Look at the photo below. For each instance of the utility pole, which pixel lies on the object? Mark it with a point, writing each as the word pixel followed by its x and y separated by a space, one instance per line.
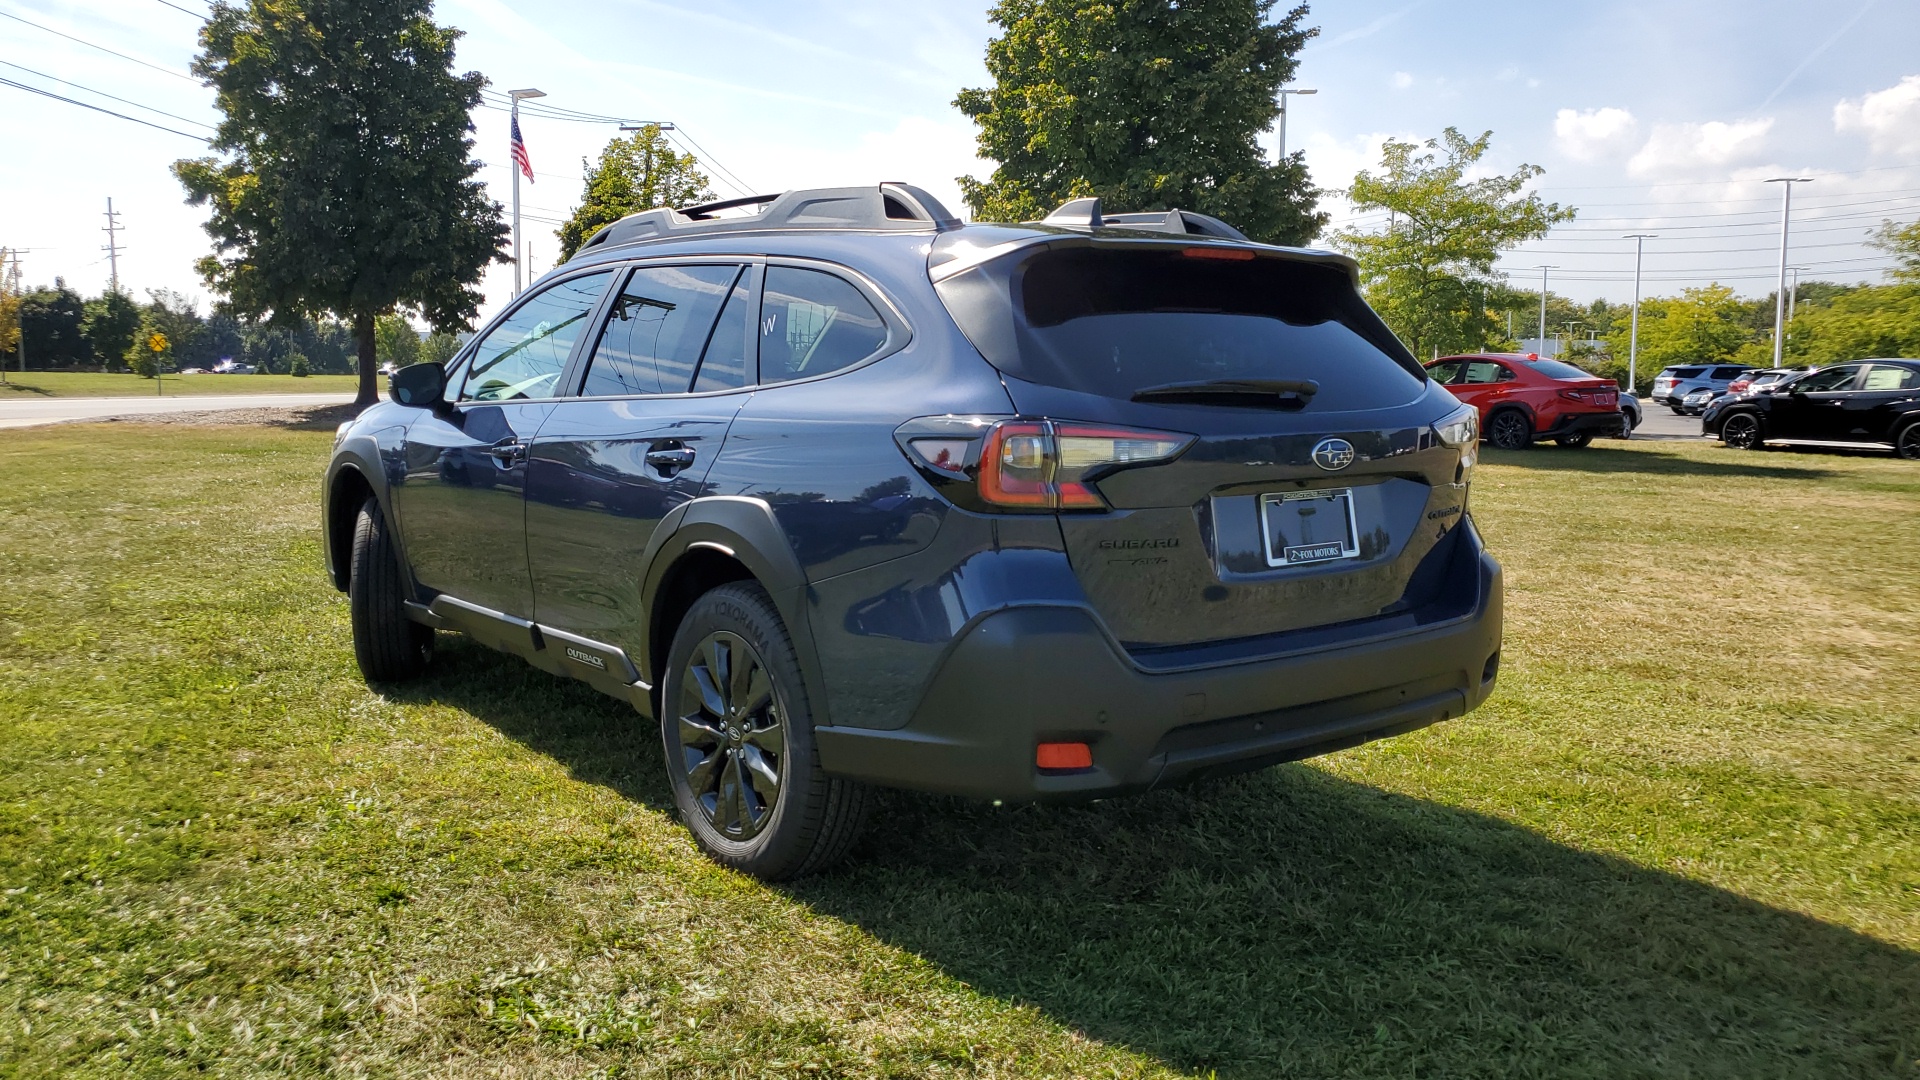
pixel 13 288
pixel 10 286
pixel 1633 334
pixel 1283 119
pixel 1780 295
pixel 519 148
pixel 113 246
pixel 1543 304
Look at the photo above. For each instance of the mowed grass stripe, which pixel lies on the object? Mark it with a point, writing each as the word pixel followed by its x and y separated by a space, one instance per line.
pixel 220 852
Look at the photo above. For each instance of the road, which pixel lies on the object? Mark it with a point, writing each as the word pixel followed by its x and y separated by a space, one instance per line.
pixel 1661 423
pixel 54 410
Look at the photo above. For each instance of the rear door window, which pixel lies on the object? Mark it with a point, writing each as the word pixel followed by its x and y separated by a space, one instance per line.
pixel 657 329
pixel 1114 321
pixel 1891 377
pixel 813 323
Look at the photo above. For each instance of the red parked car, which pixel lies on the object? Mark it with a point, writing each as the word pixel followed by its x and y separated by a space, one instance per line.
pixel 1522 398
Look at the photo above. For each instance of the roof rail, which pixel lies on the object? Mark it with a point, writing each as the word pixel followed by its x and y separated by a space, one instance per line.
pixel 888 206
pixel 1085 214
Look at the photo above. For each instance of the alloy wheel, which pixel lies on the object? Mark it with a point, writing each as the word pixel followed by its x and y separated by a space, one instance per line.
pixel 1509 431
pixel 1741 431
pixel 731 735
pixel 1908 443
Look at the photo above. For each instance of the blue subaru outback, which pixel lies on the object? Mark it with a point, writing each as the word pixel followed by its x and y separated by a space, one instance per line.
pixel 844 493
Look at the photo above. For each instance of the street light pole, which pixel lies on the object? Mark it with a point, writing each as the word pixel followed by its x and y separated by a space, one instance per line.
pixel 1283 119
pixel 1793 291
pixel 1543 304
pixel 1780 295
pixel 517 95
pixel 1633 334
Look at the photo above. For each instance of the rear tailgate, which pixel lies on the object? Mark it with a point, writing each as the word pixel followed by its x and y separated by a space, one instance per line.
pixel 1249 531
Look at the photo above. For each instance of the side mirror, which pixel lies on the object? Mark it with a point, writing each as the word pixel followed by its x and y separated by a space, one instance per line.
pixel 419 385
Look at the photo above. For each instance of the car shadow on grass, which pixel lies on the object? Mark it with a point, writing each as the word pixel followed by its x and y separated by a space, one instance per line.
pixel 1644 458
pixel 1291 923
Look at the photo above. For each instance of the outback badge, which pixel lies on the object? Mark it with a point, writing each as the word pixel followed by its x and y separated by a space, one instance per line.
pixel 1333 454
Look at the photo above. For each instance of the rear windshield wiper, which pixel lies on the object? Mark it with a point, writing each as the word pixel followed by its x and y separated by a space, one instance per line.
pixel 1286 394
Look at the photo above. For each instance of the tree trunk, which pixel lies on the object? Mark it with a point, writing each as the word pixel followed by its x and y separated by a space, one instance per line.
pixel 369 375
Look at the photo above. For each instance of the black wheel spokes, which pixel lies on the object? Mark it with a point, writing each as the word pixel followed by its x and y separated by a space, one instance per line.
pixel 732 740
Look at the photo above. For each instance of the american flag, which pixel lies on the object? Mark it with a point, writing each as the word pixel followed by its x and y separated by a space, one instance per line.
pixel 519 147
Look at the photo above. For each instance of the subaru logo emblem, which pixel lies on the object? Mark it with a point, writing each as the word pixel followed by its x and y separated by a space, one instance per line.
pixel 1333 454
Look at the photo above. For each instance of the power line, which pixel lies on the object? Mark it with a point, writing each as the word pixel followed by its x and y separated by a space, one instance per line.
pixel 109 97
pixel 102 48
pixel 183 11
pixel 98 109
pixel 738 184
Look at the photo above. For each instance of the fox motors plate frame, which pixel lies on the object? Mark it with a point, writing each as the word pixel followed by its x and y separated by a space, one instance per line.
pixel 1307 527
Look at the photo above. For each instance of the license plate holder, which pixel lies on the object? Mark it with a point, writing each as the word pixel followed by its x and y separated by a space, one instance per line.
pixel 1303 528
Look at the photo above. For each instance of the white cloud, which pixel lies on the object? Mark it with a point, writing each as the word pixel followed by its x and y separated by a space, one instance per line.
pixel 1681 148
pixel 1890 118
pixel 1402 80
pixel 1595 133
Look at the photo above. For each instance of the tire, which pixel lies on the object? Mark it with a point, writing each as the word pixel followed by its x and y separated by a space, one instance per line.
pixel 1510 429
pixel 1675 408
pixel 388 646
pixel 1575 441
pixel 731 734
pixel 1742 431
pixel 1906 441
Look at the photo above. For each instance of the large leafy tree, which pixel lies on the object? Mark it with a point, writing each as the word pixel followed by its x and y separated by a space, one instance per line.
pixel 1903 243
pixel 638 172
pixel 1429 271
pixel 1149 104
pixel 1875 320
pixel 346 185
pixel 108 323
pixel 1700 326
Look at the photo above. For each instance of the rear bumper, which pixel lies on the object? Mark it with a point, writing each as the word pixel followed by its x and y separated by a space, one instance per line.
pixel 1024 675
pixel 1612 422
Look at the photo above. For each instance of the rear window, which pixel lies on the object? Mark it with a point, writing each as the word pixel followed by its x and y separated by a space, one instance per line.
pixel 1727 372
pixel 1554 369
pixel 1113 322
pixel 1684 372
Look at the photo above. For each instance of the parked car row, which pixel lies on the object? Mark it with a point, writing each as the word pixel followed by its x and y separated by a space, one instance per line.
pixel 1696 401
pixel 1870 403
pixel 1523 399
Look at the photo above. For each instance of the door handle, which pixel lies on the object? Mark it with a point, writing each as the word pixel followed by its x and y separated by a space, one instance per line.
pixel 507 452
pixel 670 460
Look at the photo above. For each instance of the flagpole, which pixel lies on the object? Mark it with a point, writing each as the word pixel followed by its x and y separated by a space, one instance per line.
pixel 516 95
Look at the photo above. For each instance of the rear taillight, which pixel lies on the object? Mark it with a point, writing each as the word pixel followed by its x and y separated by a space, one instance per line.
pixel 1030 464
pixel 1739 386
pixel 1051 465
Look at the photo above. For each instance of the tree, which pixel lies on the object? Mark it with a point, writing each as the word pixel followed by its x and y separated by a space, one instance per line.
pixel 1707 325
pixel 635 173
pixel 50 327
pixel 10 303
pixel 1429 272
pixel 438 348
pixel 396 342
pixel 1903 243
pixel 108 323
pixel 347 184
pixel 1877 320
pixel 1149 104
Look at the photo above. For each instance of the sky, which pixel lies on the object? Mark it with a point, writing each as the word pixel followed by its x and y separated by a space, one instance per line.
pixel 1663 117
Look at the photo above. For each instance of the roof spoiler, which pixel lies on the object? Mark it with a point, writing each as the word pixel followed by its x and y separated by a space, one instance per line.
pixel 889 206
pixel 1086 214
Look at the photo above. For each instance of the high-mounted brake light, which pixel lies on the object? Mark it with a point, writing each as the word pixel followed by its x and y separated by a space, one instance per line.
pixel 1051 465
pixel 1231 254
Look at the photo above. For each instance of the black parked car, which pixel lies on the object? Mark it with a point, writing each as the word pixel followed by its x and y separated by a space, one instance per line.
pixel 847 493
pixel 1872 403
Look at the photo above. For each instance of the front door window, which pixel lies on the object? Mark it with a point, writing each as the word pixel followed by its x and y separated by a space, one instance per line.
pixel 523 356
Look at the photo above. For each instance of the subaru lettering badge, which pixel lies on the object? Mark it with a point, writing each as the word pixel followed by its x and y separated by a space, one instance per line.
pixel 1333 454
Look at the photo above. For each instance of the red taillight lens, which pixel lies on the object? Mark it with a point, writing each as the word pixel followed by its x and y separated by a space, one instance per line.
pixel 1051 465
pixel 1738 386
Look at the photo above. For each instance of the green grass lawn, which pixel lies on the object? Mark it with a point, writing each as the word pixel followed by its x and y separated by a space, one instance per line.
pixel 1683 839
pixel 21 386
